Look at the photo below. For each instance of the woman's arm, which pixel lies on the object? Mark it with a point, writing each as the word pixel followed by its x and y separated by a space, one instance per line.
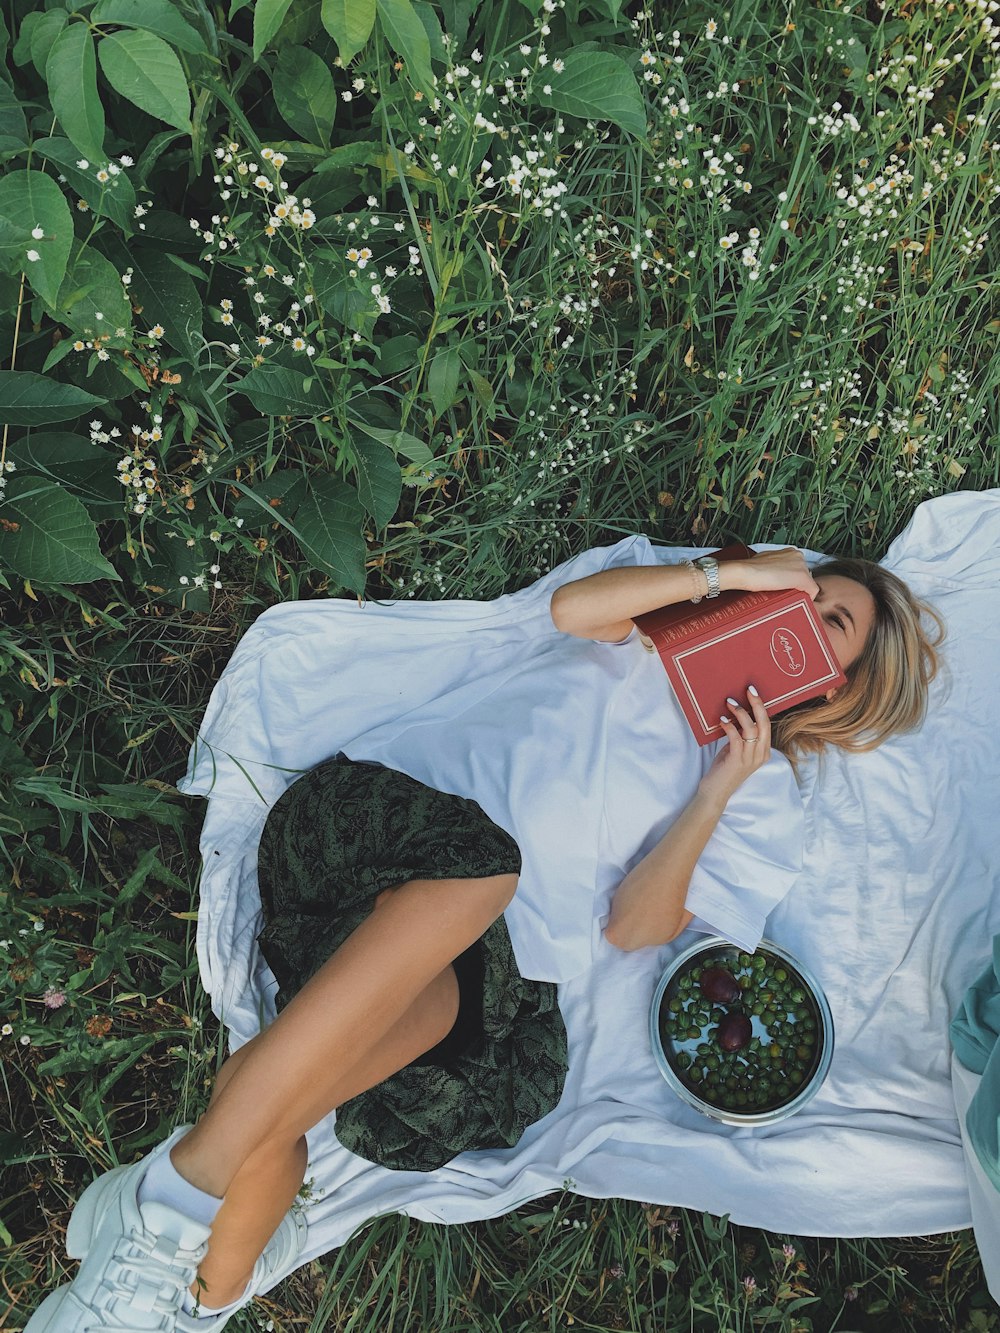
pixel 648 907
pixel 601 606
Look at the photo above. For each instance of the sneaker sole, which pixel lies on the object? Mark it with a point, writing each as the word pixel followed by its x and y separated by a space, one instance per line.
pixel 46 1317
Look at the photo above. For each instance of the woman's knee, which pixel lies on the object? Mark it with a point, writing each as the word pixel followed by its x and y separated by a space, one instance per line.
pixel 487 898
pixel 502 890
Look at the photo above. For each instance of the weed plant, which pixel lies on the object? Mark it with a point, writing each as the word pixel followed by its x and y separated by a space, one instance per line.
pixel 418 300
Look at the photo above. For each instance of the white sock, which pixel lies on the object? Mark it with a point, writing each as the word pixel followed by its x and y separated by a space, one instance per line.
pixel 163 1183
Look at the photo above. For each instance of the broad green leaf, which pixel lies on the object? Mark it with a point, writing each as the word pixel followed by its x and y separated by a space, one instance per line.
pixel 339 295
pixel 13 247
pixel 13 126
pixel 483 390
pixel 281 492
pixel 21 53
pixel 48 536
pixel 114 198
pixel 457 15
pixel 299 26
pixel 443 378
pixel 380 481
pixel 166 295
pixel 86 469
pixel 432 26
pixel 277 391
pixel 349 23
pixel 358 153
pixel 29 399
pixel 329 522
pixel 407 35
pixel 158 16
pixel 398 356
pixel 91 299
pixel 71 76
pixel 595 85
pixel 398 441
pixel 31 199
pixel 144 69
pixel 43 34
pixel 305 94
pixel 267 17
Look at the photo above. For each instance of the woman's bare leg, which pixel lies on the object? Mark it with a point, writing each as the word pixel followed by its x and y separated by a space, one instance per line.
pixel 264 1188
pixel 338 1031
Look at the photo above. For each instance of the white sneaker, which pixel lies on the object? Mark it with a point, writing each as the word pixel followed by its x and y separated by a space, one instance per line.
pixel 280 1252
pixel 136 1263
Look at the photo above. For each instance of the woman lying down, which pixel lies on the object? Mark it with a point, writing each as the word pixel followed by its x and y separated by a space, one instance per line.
pixel 401 919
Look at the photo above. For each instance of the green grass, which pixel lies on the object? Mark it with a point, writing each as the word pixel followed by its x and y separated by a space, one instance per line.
pixel 565 372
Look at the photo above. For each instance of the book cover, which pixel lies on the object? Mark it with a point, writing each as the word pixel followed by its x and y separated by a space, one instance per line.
pixel 714 649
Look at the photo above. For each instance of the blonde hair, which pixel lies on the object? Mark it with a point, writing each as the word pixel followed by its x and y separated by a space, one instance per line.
pixel 887 685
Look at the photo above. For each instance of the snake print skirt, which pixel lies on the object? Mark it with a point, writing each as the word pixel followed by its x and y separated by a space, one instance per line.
pixel 332 842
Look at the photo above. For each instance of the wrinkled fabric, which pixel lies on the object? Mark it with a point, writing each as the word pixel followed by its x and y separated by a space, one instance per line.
pixel 894 908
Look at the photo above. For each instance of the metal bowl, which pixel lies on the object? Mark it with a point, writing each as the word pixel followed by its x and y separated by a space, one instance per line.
pixel 666 1050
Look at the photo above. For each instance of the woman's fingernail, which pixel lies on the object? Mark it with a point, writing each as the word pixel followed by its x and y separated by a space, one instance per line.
pixel 732 703
pixel 723 718
pixel 752 690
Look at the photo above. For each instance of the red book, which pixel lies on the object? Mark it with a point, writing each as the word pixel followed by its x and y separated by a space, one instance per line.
pixel 714 649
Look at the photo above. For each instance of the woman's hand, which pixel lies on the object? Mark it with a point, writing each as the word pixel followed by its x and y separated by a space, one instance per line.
pixel 749 748
pixel 769 571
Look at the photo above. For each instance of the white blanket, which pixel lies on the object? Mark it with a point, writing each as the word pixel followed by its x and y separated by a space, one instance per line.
pixel 894 910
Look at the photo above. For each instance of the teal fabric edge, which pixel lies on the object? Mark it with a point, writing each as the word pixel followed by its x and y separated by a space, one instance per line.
pixel 974 1033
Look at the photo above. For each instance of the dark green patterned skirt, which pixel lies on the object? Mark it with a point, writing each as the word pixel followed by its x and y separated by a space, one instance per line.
pixel 332 842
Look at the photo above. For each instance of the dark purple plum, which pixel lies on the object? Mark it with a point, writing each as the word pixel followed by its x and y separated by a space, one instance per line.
pixel 734 1032
pixel 720 986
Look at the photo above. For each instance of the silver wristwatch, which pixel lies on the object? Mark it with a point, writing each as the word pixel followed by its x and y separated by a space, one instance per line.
pixel 711 568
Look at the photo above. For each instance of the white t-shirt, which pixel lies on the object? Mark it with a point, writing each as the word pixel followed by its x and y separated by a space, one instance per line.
pixel 577 749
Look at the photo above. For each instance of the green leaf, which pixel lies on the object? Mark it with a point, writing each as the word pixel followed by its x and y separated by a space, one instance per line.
pixel 30 199
pixel 43 34
pixel 85 469
pixel 305 94
pixel 92 287
pixel 349 23
pixel 167 296
pixel 114 199
pixel 28 399
pixel 329 521
pixel 398 356
pixel 407 35
pixel 48 536
pixel 359 153
pixel 282 490
pixel 595 85
pixel 432 26
pixel 483 390
pixel 21 53
pixel 13 126
pixel 144 70
pixel 443 379
pixel 267 17
pixel 380 481
pixel 299 26
pixel 71 76
pixel 398 441
pixel 158 16
pixel 277 391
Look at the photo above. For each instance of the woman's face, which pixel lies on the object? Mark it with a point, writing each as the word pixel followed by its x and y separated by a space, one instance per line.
pixel 847 609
